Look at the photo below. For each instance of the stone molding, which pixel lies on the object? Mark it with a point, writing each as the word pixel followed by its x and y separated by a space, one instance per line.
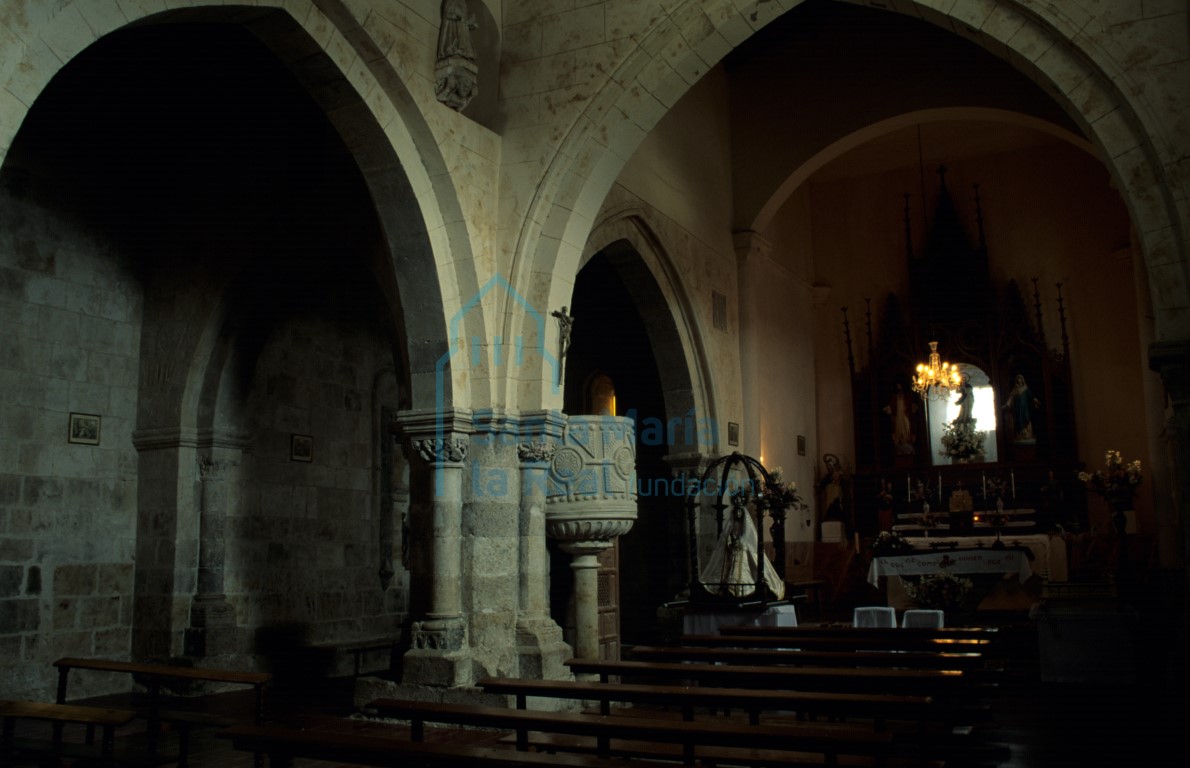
pixel 439 635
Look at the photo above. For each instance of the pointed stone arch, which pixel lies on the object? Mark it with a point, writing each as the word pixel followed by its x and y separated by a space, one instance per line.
pixel 1051 44
pixel 675 334
pixel 351 77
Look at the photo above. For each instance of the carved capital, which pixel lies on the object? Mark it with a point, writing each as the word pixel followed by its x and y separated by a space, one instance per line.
pixel 442 451
pixel 539 452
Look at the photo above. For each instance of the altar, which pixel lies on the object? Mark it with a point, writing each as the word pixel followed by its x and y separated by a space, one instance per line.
pixel 1007 561
pixel 1009 568
pixel 1049 552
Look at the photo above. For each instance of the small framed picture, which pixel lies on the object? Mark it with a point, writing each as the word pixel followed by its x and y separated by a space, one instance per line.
pixel 301 448
pixel 733 433
pixel 84 429
pixel 801 445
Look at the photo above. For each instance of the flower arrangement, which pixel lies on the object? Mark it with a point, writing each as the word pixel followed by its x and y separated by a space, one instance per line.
pixel 942 590
pixel 1117 481
pixel 960 441
pixel 889 543
pixel 776 494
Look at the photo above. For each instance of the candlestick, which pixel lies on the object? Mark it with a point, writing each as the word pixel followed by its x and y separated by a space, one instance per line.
pixel 908 489
pixel 939 487
pixel 1012 476
pixel 984 479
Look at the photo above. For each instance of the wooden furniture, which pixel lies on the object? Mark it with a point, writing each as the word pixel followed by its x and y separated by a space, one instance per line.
pixel 800 658
pixel 930 682
pixel 828 740
pixel 853 642
pixel 158 708
pixel 60 714
pixel 895 634
pixel 879 708
pixel 283 745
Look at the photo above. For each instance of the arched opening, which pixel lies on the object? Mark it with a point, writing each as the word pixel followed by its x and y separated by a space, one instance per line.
pixel 225 291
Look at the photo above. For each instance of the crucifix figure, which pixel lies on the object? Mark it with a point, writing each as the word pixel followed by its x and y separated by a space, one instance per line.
pixel 565 322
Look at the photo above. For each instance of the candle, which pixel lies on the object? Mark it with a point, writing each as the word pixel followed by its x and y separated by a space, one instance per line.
pixel 1012 477
pixel 908 489
pixel 857 543
pixel 984 479
pixel 939 487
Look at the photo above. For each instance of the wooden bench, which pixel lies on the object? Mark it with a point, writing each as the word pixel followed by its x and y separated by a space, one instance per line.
pixel 59 715
pixel 157 709
pixel 879 708
pixel 856 642
pixel 828 741
pixel 929 682
pixel 283 745
pixel 810 632
pixel 790 657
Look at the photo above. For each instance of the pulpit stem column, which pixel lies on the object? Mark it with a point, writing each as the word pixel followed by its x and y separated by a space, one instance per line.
pixel 591 500
pixel 586 595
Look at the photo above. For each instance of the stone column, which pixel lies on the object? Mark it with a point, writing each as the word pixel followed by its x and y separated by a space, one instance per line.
pixel 591 500
pixel 213 630
pixel 166 539
pixel 439 653
pixel 1172 361
pixel 541 650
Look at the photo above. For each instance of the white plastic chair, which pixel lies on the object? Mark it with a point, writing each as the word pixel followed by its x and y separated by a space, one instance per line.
pixel 920 617
pixel 874 616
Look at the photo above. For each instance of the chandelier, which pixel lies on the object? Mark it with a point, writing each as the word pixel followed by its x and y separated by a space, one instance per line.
pixel 934 380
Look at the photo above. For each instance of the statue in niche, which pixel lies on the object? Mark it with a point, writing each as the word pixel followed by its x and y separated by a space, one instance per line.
pixel 965 402
pixel 831 486
pixel 902 408
pixel 1022 404
pixel 456 72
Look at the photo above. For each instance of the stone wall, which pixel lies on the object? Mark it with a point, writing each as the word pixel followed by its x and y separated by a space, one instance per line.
pixel 70 313
pixel 304 536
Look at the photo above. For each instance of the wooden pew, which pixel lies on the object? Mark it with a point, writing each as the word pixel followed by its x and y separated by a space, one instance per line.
pixel 158 708
pixel 790 657
pixel 60 714
pixel 928 682
pixel 855 642
pixel 633 734
pixel 948 633
pixel 878 708
pixel 283 745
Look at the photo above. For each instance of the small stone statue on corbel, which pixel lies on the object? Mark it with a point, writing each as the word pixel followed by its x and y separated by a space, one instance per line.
pixel 456 73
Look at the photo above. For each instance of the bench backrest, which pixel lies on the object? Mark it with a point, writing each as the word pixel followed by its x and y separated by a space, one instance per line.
pixel 797 657
pixel 873 680
pixel 166 670
pixel 798 736
pixel 821 702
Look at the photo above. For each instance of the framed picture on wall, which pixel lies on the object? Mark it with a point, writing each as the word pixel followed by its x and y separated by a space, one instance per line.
pixel 301 448
pixel 83 429
pixel 733 433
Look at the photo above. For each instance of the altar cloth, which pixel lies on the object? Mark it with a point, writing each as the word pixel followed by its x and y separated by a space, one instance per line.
pixel 955 561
